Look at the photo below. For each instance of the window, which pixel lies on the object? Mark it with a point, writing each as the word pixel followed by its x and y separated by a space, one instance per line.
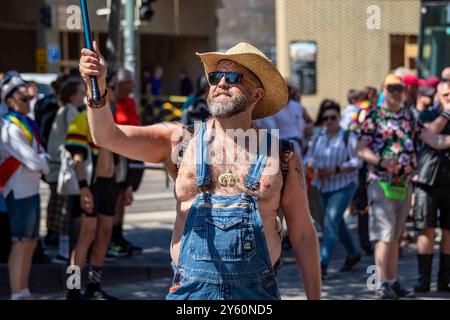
pixel 303 66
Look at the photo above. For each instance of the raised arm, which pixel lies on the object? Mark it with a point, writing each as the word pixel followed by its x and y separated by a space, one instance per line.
pixel 301 231
pixel 150 144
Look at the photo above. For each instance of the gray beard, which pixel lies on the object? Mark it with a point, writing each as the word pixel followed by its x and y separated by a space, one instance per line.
pixel 229 109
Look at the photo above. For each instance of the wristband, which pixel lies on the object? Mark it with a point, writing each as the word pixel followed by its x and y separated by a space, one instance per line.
pixel 97 105
pixel 82 184
pixel 445 114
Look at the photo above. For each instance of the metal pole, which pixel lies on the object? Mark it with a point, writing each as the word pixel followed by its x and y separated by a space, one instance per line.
pixel 130 42
pixel 113 42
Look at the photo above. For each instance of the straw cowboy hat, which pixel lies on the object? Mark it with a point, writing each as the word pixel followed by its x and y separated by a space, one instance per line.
pixel 276 93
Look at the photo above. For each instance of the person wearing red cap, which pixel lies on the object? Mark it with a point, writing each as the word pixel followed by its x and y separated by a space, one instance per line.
pixel 411 84
pixel 432 82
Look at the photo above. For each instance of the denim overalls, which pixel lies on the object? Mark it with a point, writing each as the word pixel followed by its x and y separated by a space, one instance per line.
pixel 223 254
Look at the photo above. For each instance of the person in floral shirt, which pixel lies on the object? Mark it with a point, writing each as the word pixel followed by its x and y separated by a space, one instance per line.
pixel 387 137
pixel 392 136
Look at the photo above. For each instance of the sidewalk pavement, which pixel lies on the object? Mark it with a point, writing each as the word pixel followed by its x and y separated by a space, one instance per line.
pixel 149 222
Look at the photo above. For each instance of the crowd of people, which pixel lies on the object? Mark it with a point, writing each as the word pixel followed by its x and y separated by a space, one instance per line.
pixel 89 186
pixel 385 157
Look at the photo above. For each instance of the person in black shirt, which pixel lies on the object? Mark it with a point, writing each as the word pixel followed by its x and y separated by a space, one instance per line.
pixel 432 201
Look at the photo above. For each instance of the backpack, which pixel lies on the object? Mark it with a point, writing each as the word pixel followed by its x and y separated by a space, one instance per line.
pixel 197 112
pixel 44 114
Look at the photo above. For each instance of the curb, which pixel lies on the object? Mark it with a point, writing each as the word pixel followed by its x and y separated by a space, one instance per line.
pixel 51 278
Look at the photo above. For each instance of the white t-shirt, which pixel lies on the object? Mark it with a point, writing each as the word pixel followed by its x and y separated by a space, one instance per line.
pixel 290 121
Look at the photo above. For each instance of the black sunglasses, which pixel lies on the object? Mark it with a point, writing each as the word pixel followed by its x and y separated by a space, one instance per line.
pixel 25 98
pixel 395 88
pixel 332 118
pixel 231 78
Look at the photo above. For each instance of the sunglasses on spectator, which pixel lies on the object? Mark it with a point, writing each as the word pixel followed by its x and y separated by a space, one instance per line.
pixel 395 88
pixel 231 77
pixel 332 118
pixel 25 98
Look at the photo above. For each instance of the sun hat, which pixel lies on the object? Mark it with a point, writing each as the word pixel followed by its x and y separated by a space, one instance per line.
pixel 248 56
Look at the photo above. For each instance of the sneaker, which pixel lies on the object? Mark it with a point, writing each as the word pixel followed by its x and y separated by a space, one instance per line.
pixel 99 295
pixel 350 262
pixel 323 273
pixel 75 294
pixel 129 246
pixel 51 239
pixel 118 251
pixel 59 259
pixel 386 292
pixel 286 243
pixel 401 292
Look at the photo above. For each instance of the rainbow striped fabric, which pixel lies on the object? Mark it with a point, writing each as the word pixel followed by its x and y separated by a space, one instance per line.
pixel 79 135
pixel 28 126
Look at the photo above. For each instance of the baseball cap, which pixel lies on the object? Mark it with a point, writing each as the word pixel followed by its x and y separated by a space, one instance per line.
pixel 392 79
pixel 410 80
pixel 432 81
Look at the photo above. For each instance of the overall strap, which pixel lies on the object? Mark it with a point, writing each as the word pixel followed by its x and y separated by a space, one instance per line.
pixel 258 165
pixel 201 156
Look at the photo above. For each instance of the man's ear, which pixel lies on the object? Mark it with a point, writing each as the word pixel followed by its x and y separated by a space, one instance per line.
pixel 258 94
pixel 9 102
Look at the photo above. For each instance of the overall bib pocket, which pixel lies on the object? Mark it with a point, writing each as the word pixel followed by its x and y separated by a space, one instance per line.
pixel 222 238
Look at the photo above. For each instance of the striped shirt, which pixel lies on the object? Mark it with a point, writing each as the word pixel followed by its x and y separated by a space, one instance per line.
pixel 325 153
pixel 79 135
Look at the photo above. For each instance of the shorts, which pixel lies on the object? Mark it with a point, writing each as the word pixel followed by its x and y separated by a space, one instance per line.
pixel 24 217
pixel 432 207
pixel 2 204
pixel 387 218
pixel 105 192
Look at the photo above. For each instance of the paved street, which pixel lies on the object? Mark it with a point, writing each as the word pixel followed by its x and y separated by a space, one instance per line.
pixel 149 224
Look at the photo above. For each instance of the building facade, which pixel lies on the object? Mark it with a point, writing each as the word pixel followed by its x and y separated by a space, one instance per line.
pixel 330 46
pixel 251 21
pixel 178 29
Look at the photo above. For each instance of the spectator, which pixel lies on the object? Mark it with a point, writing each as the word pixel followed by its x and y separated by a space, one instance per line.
pixel 33 92
pixel 186 86
pixel 5 236
pixel 387 139
pixel 290 121
pixel 93 208
pixel 72 93
pixel 432 82
pixel 126 110
pixel 366 99
pixel 333 157
pixel 445 75
pixel 432 205
pixel 350 113
pixel 425 100
pixel 21 141
pixel 198 109
pixel 411 84
pixel 126 114
pixel 147 81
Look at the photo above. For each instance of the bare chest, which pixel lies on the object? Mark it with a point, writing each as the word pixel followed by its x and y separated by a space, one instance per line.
pixel 223 165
